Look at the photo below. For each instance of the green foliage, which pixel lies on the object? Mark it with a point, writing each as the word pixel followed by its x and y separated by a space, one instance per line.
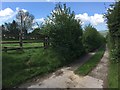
pixel 92 39
pixel 103 33
pixel 20 66
pixel 113 18
pixel 113 39
pixel 113 68
pixel 65 32
pixel 113 21
pixel 24 22
pixel 36 31
pixel 113 75
pixel 91 63
pixel 10 30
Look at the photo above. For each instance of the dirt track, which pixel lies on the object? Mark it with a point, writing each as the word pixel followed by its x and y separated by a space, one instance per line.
pixel 65 77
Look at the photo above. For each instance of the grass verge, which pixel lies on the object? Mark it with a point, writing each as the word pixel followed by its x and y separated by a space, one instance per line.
pixel 20 66
pixel 113 75
pixel 91 63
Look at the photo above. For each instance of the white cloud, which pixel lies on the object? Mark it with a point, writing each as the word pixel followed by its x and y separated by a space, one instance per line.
pixel 24 10
pixel 83 17
pixel 5 18
pixel 8 14
pixel 17 8
pixel 94 20
pixel 48 0
pixel 97 19
pixel 40 20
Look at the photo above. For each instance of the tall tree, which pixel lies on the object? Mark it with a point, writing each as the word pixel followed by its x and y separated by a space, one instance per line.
pixel 65 32
pixel 92 39
pixel 25 21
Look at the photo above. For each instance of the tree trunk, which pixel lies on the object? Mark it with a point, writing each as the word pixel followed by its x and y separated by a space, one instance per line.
pixel 21 34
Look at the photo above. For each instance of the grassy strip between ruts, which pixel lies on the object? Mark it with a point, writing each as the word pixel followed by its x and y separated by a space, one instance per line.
pixel 91 63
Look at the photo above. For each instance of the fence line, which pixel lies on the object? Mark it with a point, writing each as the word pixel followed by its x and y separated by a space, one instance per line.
pixel 18 48
pixel 23 42
pixel 45 45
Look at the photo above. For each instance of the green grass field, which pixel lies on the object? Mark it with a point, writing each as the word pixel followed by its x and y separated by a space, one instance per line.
pixel 19 66
pixel 18 40
pixel 24 45
pixel 91 63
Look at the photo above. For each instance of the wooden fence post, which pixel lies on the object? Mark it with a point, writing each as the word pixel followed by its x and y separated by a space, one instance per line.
pixel 5 49
pixel 45 42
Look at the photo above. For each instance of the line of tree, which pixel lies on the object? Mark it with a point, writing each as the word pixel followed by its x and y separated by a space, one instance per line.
pixel 10 30
pixel 66 34
pixel 92 39
pixel 22 25
pixel 63 31
pixel 113 37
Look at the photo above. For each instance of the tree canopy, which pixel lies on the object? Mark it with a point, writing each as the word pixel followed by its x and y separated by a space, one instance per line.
pixel 65 32
pixel 92 39
pixel 10 30
pixel 24 20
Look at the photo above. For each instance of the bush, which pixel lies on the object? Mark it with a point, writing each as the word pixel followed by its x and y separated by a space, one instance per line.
pixel 113 21
pixel 65 33
pixel 92 39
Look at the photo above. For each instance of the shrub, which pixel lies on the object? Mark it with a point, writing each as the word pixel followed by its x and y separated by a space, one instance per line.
pixel 92 39
pixel 65 32
pixel 113 21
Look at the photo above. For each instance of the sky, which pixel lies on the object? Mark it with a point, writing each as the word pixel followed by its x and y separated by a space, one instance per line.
pixel 87 12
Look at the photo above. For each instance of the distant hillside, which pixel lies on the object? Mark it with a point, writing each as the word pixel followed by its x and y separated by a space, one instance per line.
pixel 104 33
